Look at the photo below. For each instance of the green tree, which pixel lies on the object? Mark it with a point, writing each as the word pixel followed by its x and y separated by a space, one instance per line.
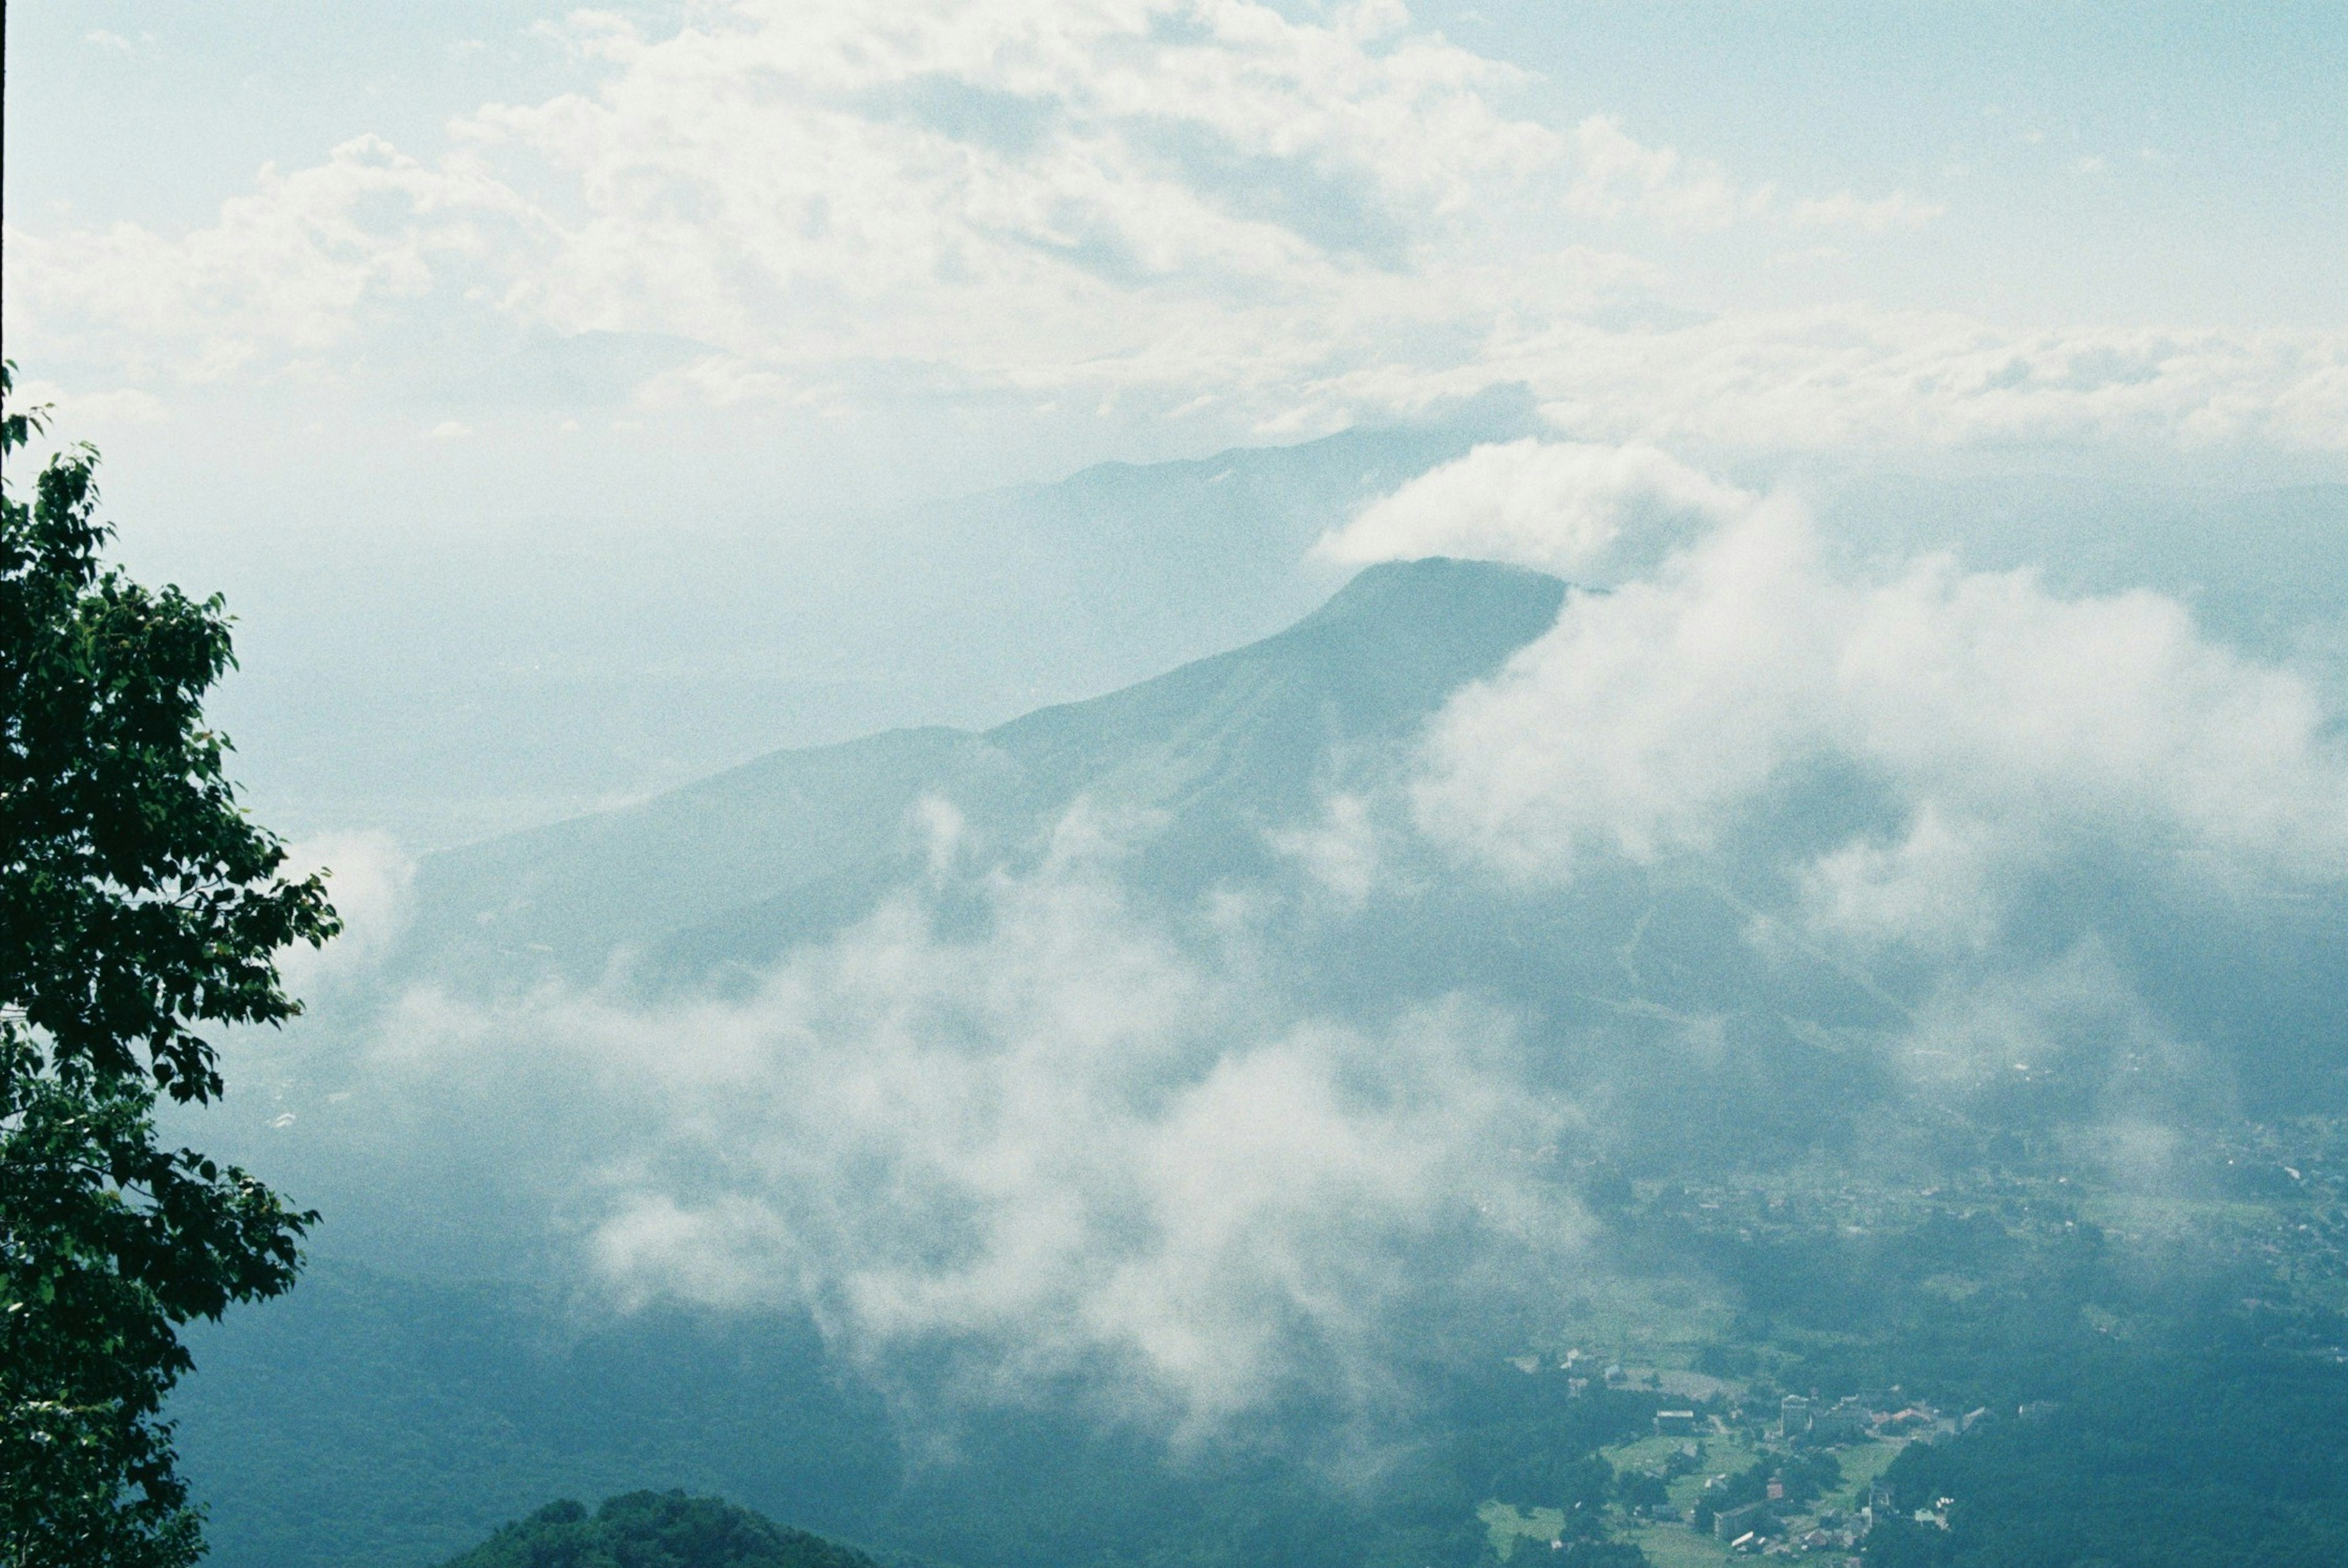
pixel 138 905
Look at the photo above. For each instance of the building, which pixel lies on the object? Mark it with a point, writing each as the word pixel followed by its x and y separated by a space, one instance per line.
pixel 1749 1520
pixel 1917 1419
pixel 1674 1423
pixel 1794 1415
pixel 1847 1421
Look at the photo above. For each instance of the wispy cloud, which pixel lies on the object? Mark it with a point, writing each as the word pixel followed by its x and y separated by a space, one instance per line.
pixel 1844 210
pixel 1073 1139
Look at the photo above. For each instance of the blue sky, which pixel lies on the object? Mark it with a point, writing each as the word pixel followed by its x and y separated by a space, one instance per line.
pixel 2220 135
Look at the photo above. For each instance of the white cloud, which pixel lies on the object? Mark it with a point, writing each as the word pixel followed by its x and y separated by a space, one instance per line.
pixel 1562 506
pixel 291 268
pixel 1339 851
pixel 368 881
pixel 1270 223
pixel 1069 1137
pixel 1935 886
pixel 1617 177
pixel 2072 1015
pixel 1845 210
pixel 1925 778
pixel 2006 722
pixel 1643 716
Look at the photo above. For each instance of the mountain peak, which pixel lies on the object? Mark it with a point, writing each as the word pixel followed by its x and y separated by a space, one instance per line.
pixel 798 841
pixel 1444 589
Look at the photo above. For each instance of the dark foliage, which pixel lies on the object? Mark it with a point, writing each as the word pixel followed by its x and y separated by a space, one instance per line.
pixel 136 902
pixel 655 1530
pixel 2191 1452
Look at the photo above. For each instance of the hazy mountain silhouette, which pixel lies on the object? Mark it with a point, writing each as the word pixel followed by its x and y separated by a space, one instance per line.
pixel 802 841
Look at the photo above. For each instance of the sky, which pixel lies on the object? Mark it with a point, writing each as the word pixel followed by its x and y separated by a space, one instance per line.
pixel 491 254
pixel 372 305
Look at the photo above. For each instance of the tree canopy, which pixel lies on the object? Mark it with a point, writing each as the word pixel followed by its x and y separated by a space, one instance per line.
pixel 655 1530
pixel 139 904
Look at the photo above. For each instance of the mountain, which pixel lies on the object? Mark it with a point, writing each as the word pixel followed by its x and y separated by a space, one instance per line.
pixel 466 676
pixel 802 841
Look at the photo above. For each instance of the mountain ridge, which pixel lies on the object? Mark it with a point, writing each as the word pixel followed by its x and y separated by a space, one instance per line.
pixel 1220 746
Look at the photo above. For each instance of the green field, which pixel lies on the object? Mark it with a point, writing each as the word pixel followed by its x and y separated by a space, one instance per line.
pixel 1508 1527
pixel 1722 1456
pixel 1676 1546
pixel 1861 1464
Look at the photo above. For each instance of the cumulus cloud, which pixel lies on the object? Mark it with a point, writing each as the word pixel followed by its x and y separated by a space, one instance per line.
pixel 1561 506
pixel 1998 715
pixel 1991 806
pixel 1616 176
pixel 290 270
pixel 1023 195
pixel 1933 885
pixel 1269 222
pixel 1063 1135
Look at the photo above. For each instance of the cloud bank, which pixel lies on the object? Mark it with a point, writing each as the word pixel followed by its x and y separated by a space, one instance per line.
pixel 1572 508
pixel 1258 222
pixel 2006 810
pixel 1022 1123
pixel 2006 721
